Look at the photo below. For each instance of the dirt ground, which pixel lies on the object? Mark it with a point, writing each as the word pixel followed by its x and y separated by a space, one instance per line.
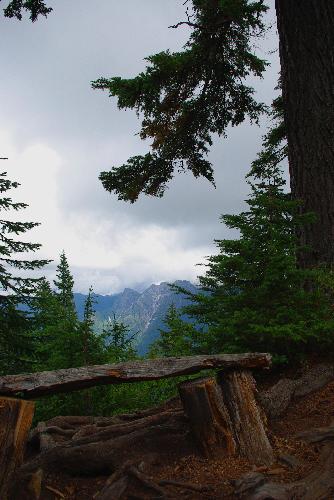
pixel 312 411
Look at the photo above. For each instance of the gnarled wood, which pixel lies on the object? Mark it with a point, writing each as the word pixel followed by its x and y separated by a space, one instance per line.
pixel 238 388
pixel 209 419
pixel 72 379
pixel 15 421
pixel 276 400
pixel 95 456
pixel 47 437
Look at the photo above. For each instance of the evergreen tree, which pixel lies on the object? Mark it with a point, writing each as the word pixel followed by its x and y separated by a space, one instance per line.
pixel 87 328
pixel 55 330
pixel 180 338
pixel 93 347
pixel 306 37
pixel 12 286
pixel 17 345
pixel 119 343
pixel 35 8
pixel 45 314
pixel 92 351
pixel 257 297
pixel 66 342
pixel 56 322
pixel 64 284
pixel 185 97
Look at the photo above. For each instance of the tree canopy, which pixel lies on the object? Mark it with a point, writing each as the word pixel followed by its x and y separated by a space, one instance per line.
pixel 35 8
pixel 186 97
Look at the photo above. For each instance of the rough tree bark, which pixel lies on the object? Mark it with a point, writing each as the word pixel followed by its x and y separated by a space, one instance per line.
pixel 15 421
pixel 306 50
pixel 209 419
pixel 238 388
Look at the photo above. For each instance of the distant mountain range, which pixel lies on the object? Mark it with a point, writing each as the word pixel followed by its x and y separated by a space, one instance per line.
pixel 142 312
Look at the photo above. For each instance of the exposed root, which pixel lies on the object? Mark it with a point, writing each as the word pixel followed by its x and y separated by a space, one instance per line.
pixel 106 455
pixel 276 400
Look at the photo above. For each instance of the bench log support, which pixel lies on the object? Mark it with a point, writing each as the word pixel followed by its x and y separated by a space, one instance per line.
pixel 224 417
pixel 209 419
pixel 248 422
pixel 15 421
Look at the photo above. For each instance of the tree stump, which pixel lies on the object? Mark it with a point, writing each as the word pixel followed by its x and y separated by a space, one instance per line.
pixel 15 422
pixel 238 388
pixel 209 420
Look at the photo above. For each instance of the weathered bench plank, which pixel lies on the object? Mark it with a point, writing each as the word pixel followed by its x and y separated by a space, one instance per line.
pixel 72 379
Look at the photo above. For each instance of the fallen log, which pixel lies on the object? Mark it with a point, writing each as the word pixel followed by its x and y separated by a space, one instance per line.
pixel 238 390
pixel 277 399
pixel 107 455
pixel 51 382
pixel 45 437
pixel 203 403
pixel 15 421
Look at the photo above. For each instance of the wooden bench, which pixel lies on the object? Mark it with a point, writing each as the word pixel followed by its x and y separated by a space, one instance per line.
pixel 222 411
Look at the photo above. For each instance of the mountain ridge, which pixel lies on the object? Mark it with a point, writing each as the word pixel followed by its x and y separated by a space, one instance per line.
pixel 143 312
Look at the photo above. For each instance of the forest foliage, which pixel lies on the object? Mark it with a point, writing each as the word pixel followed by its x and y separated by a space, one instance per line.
pixel 186 97
pixel 253 295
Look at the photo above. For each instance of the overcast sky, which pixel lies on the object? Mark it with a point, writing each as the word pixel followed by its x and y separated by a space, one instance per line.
pixel 59 134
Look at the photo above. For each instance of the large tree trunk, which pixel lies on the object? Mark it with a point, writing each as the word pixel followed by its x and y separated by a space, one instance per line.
pixel 306 50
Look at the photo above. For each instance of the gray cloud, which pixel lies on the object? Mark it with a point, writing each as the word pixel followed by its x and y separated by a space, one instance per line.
pixel 46 100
